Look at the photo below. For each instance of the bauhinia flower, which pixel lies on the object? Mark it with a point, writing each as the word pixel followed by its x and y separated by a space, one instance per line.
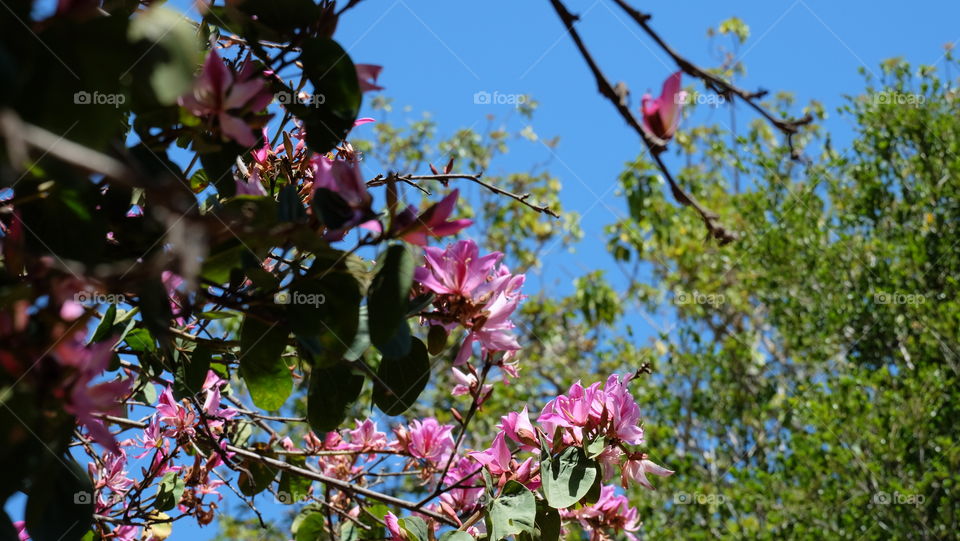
pixel 433 222
pixel 661 115
pixel 518 428
pixel 220 94
pixel 611 512
pixel 473 292
pixel 367 74
pixel 637 470
pixel 426 440
pixel 497 458
pixel 341 177
pixel 179 420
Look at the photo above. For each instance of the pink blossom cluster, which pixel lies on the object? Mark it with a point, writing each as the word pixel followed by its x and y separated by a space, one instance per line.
pixel 477 293
pixel 612 512
pixel 171 428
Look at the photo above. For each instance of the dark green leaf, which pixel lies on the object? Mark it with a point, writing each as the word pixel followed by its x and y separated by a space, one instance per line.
pixel 389 293
pixel 400 381
pixel 512 512
pixel 261 365
pixel 169 492
pixel 191 372
pixel 60 505
pixel 332 74
pixel 332 390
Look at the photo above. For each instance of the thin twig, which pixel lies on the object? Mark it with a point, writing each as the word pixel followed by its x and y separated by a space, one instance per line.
pixel 654 145
pixel 380 180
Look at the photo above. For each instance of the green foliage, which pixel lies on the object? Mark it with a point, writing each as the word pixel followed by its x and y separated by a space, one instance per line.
pixel 512 512
pixel 567 477
pixel 261 365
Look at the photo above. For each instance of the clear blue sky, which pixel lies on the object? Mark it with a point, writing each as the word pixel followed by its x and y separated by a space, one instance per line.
pixel 438 53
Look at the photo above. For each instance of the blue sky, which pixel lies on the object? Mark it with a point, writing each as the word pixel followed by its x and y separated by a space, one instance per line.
pixel 438 53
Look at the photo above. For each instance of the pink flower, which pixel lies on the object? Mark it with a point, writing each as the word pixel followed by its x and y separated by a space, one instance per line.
pixel 343 178
pixel 623 410
pixel 465 382
pixel 661 115
pixel 393 526
pixel 457 270
pixel 126 533
pixel 497 458
pixel 366 437
pixel 112 476
pixel 85 402
pixel 432 223
pixel 21 528
pixel 175 415
pixel 518 428
pixel 211 407
pixel 610 512
pixel 465 475
pixel 253 186
pixel 218 93
pixel 637 470
pixel 367 74
pixel 427 440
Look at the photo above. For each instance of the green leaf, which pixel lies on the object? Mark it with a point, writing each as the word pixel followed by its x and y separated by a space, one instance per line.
pixel 399 344
pixel 190 373
pixel 261 365
pixel 106 323
pixel 289 205
pixel 324 312
pixel 416 527
pixel 332 74
pixel 456 535
pixel 169 492
pixel 361 342
pixel 389 293
pixel 547 522
pixel 293 488
pixel 172 49
pixel 312 528
pixel 332 390
pixel 60 504
pixel 141 341
pixel 596 446
pixel 512 512
pixel 567 477
pixel 436 339
pixel 400 381
pixel 256 476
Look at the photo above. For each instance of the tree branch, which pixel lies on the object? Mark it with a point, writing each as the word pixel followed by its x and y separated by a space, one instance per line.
pixel 654 145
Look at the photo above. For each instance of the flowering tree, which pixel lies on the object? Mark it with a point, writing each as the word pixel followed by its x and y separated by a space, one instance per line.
pixel 161 322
